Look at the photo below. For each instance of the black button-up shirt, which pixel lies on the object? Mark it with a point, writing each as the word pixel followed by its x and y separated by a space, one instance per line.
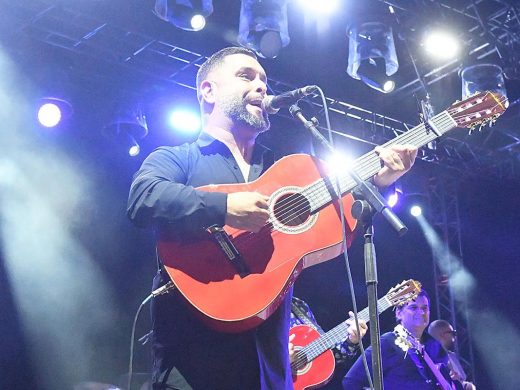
pixel 164 194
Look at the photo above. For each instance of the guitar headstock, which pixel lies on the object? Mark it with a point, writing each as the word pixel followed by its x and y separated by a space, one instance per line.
pixel 478 109
pixel 405 340
pixel 403 292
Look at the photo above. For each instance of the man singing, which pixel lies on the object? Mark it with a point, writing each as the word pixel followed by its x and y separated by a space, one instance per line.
pixel 231 85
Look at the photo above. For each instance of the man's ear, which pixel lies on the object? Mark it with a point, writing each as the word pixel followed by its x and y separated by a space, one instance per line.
pixel 207 92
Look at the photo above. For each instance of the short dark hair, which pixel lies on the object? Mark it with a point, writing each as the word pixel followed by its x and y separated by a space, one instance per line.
pixel 216 59
pixel 421 293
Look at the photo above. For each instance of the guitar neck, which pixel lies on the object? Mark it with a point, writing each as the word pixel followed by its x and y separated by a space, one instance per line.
pixel 441 381
pixel 319 193
pixel 339 333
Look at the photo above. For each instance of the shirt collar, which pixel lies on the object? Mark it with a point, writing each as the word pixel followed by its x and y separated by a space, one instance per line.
pixel 206 140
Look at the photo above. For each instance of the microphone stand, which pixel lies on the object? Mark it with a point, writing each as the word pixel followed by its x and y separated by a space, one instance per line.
pixel 364 211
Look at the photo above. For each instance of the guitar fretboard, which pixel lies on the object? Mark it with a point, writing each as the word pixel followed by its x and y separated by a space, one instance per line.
pixel 334 336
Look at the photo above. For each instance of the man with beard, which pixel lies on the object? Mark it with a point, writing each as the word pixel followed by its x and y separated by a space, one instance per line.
pixel 403 367
pixel 231 85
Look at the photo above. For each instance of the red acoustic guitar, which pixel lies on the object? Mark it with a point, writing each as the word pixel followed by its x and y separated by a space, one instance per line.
pixel 236 279
pixel 314 363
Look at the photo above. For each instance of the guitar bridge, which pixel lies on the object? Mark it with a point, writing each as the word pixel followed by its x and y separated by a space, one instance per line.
pixel 232 254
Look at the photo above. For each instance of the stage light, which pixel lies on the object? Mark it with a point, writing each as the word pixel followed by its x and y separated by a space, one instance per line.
pixel 320 7
pixel 132 146
pixel 198 22
pixel 52 111
pixel 185 121
pixel 441 44
pixel 189 15
pixel 482 77
pixel 372 56
pixel 416 210
pixel 393 199
pixel 124 131
pixel 263 26
pixel 49 115
pixel 372 73
pixel 397 194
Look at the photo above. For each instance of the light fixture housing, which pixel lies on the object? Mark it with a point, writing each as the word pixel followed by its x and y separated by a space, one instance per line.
pixel 189 15
pixel 482 77
pixel 126 129
pixel 372 56
pixel 263 26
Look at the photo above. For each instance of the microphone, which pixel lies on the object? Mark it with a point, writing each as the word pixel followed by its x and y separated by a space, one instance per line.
pixel 272 104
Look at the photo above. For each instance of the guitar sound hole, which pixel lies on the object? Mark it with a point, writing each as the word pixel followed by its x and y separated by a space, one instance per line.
pixel 292 209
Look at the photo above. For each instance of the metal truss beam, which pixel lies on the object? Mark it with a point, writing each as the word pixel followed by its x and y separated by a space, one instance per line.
pixel 452 303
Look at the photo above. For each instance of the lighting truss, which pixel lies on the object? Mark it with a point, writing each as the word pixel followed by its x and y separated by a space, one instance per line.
pixel 493 152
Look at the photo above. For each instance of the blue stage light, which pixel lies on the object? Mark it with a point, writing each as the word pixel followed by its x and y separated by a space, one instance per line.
pixel 186 121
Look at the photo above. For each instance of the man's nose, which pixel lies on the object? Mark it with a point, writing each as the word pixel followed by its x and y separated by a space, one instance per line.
pixel 260 86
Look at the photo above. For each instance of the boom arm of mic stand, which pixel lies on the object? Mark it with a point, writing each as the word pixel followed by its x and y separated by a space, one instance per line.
pixel 372 196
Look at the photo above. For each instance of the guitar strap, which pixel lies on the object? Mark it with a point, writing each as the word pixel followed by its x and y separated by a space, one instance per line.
pixel 303 317
pixel 417 360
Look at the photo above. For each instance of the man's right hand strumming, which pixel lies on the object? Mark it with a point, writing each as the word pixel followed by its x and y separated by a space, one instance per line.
pixel 247 211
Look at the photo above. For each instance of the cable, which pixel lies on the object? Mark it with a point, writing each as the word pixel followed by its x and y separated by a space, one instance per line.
pixel 159 291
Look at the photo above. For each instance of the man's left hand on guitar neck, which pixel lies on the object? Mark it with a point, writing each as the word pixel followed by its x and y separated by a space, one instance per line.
pixel 397 160
pixel 352 339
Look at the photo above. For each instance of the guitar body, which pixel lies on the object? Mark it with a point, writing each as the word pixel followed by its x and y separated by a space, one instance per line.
pixel 202 271
pixel 317 372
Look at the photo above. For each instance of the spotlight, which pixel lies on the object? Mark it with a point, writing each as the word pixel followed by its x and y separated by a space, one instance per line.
pixel 416 210
pixel 189 15
pixel 52 111
pixel 372 73
pixel 49 115
pixel 263 26
pixel 197 22
pixel 372 56
pixel 397 193
pixel 126 129
pixel 441 44
pixel 133 147
pixel 185 121
pixel 392 199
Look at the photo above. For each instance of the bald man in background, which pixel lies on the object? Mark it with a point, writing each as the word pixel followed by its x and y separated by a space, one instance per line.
pixel 444 333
